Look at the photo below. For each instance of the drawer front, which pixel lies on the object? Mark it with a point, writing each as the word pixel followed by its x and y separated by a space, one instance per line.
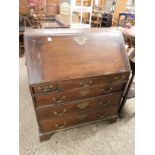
pixel 76 119
pixel 90 104
pixel 81 83
pixel 58 98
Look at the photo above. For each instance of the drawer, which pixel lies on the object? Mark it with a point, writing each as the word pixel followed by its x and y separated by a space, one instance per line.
pixel 89 104
pixel 80 83
pixel 58 98
pixel 76 119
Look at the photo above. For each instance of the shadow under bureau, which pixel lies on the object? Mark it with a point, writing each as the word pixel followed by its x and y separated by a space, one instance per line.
pixel 76 76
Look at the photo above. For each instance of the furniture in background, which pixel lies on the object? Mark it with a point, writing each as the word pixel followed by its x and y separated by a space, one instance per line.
pixel 25 21
pixel 45 13
pixel 65 19
pixel 21 43
pixel 82 8
pixel 96 18
pixel 129 38
pixel 127 17
pixel 89 92
pixel 52 7
pixel 100 19
pixel 47 23
pixel 106 20
pixel 120 6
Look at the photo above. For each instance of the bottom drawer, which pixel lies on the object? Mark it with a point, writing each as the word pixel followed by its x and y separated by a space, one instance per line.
pixel 75 119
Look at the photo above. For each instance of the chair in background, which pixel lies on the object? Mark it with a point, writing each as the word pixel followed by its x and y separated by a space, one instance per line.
pixel 127 17
pixel 130 89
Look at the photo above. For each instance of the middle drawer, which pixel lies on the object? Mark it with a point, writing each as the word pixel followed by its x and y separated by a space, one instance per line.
pixel 58 98
pixel 89 104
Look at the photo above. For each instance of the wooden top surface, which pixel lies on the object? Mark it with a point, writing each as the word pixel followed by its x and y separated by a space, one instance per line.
pixel 55 55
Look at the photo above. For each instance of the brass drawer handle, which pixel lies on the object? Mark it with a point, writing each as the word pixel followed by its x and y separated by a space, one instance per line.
pixel 48 88
pixel 61 126
pixel 83 105
pixel 86 84
pixel 101 115
pixel 56 113
pixel 59 100
pixel 104 103
pixel 107 91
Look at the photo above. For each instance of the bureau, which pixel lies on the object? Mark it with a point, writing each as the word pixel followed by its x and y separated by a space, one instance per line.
pixel 76 76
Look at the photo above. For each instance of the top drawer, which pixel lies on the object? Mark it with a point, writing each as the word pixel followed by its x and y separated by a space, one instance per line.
pixel 80 83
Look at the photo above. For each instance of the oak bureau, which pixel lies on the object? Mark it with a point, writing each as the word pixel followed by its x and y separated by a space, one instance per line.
pixel 76 76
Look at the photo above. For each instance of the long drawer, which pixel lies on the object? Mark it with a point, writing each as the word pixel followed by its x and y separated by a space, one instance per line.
pixel 89 104
pixel 76 119
pixel 80 83
pixel 58 98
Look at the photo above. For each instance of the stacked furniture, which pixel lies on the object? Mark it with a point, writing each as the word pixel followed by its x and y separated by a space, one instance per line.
pixel 96 18
pixel 76 76
pixel 127 17
pixel 106 20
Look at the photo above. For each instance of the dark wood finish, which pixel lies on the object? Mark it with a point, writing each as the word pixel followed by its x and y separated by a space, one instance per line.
pixel 46 66
pixel 71 120
pixel 57 98
pixel 80 83
pixel 76 76
pixel 44 137
pixel 106 20
pixel 88 104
